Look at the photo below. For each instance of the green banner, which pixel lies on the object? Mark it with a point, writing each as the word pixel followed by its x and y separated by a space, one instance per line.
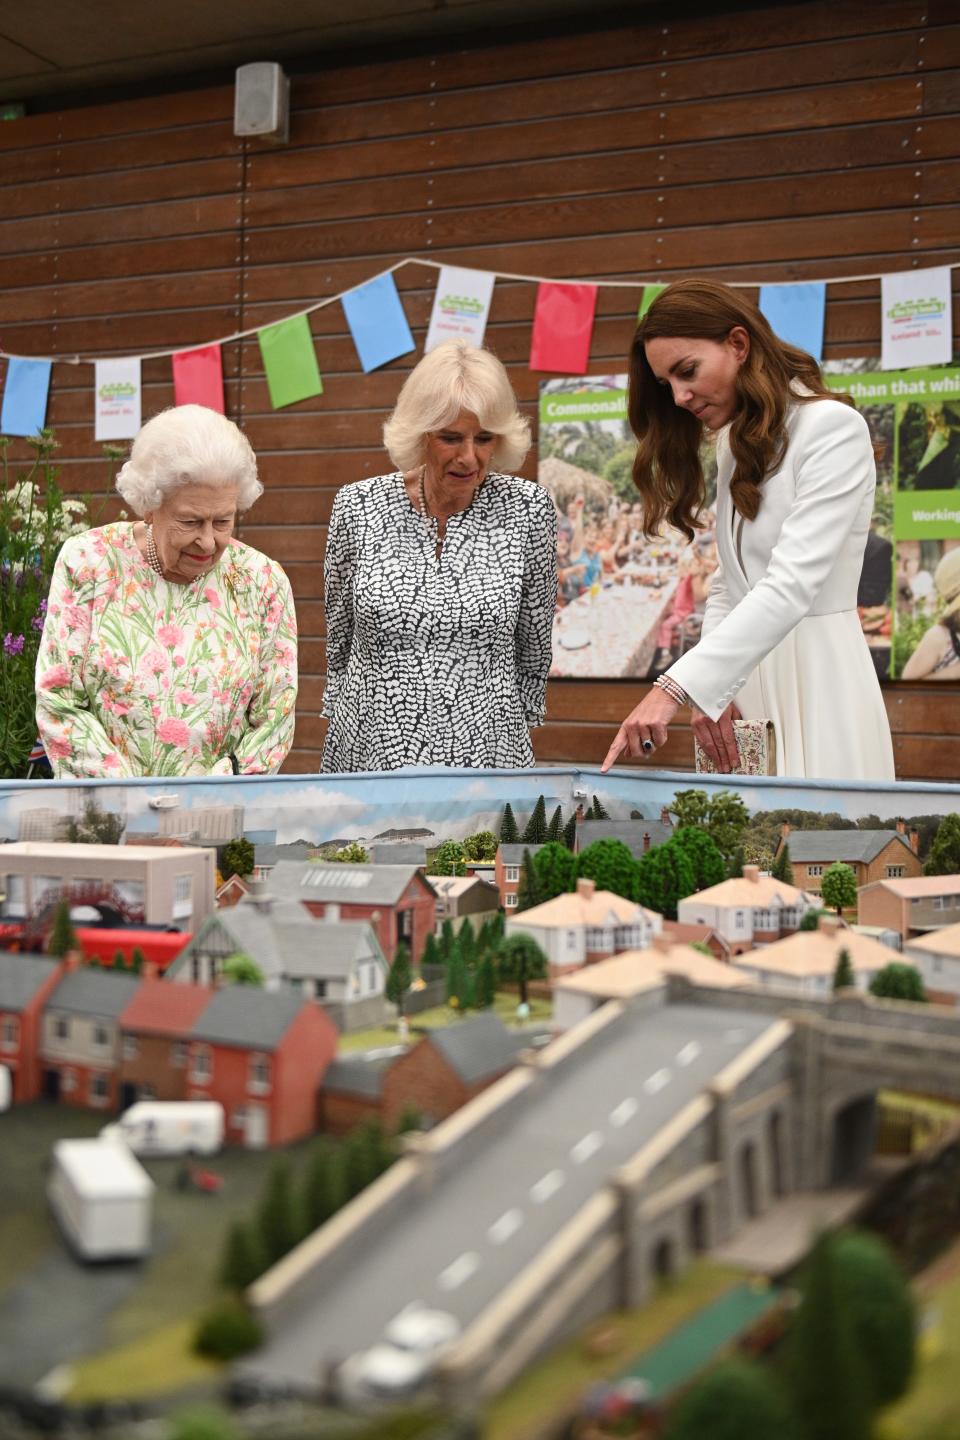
pixel 583 405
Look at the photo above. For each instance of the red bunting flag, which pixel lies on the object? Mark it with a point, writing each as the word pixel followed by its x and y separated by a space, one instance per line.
pixel 198 378
pixel 562 327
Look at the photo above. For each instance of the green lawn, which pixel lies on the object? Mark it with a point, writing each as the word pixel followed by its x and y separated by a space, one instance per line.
pixel 934 1398
pixel 550 1389
pixel 504 1006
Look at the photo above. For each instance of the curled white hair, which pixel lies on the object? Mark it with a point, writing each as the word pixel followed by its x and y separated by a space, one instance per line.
pixel 185 445
pixel 456 376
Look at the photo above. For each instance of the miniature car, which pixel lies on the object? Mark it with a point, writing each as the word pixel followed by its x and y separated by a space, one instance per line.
pixel 401 1363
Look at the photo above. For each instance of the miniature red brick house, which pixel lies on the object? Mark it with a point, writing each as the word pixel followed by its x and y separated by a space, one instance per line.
pixel 871 854
pixel 80 1046
pixel 397 899
pixel 262 1054
pixel 153 1050
pixel 506 872
pixel 26 982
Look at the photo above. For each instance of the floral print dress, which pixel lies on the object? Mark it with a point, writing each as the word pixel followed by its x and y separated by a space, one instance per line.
pixel 137 675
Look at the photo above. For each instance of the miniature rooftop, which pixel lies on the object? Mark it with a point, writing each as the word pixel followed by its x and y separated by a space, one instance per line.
pixel 249 1018
pixel 513 854
pixel 477 1047
pixel 939 942
pixel 282 937
pixel 583 906
pixel 159 1008
pixel 360 884
pixel 750 889
pixel 633 833
pixel 635 971
pixel 107 854
pixel 919 886
pixel 361 1074
pixel 815 952
pixel 456 885
pixel 89 991
pixel 21 977
pixel 857 846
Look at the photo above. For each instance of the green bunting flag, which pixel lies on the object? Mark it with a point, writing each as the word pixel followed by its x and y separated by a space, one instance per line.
pixel 290 361
pixel 650 293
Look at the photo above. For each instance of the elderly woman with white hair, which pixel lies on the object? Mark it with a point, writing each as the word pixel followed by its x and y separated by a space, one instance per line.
pixel 441 582
pixel 169 647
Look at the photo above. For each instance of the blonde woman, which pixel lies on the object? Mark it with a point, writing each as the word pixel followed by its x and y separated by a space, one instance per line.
pixel 441 581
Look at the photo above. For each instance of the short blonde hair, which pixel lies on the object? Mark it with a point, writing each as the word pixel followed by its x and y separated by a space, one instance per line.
pixel 456 376
pixel 188 444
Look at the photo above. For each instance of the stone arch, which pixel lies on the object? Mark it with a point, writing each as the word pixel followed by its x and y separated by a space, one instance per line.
pixel 851 1137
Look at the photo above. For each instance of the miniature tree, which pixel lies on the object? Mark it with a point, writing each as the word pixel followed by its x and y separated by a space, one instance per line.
pixel 448 939
pixel 277 1220
pixel 491 932
pixel 399 979
pixel 709 866
pixel 664 878
pixel 843 976
pixel 570 832
pixel 63 937
pixel 827 1379
pixel 738 1400
pixel 535 832
pixel 325 1188
pixel 481 846
pixel 448 859
pixel 882 1312
pixel 782 869
pixel 610 865
pixel 811 921
pixel 366 1155
pixel 239 969
pixel 839 886
pixel 736 863
pixel 226 1330
pixel 137 960
pixel 899 981
pixel 431 956
pixel 119 961
pixel 596 811
pixel 237 859
pixel 520 961
pixel 242 1261
pixel 555 870
pixel 485 983
pixel 944 857
pixel 410 1120
pixel 723 815
pixel 528 891
pixel 94 826
pixel 555 828
pixel 352 854
pixel 509 830
pixel 467 943
pixel 457 981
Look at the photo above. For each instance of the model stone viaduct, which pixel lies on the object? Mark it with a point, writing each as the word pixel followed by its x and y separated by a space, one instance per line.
pixel 793 1110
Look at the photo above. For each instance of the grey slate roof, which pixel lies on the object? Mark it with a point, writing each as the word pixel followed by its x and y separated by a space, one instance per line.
pixel 631 832
pixel 513 854
pixel 860 846
pixel 477 1047
pixel 358 1075
pixel 248 1018
pixel 286 942
pixel 273 854
pixel 411 853
pixel 92 991
pixel 361 884
pixel 21 977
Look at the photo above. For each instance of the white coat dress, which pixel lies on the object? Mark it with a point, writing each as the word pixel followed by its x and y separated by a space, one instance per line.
pixel 781 634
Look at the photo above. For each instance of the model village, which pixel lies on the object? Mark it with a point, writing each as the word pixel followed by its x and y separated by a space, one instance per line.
pixel 277 1046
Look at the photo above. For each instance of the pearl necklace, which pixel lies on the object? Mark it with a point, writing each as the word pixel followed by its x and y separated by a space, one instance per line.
pixel 153 559
pixel 422 494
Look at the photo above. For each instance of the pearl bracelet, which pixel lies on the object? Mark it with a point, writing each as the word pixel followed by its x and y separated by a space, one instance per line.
pixel 671 688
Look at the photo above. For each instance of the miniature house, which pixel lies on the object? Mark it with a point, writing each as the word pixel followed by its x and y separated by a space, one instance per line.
pixel 752 909
pixel 26 982
pixel 937 957
pixel 506 871
pixel 460 896
pixel 871 854
pixel 80 1037
pixel 398 901
pixel 585 926
pixel 912 907
pixel 628 975
pixel 805 963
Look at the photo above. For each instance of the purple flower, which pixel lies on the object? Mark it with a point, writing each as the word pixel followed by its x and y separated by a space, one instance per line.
pixel 12 644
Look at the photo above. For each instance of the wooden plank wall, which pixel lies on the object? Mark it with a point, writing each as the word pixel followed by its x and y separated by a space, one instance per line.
pixel 798 141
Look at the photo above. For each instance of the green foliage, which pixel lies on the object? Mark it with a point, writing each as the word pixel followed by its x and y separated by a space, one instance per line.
pixel 481 846
pixel 352 854
pixel 242 1260
pixel 485 985
pixel 782 869
pixel 137 960
pixel 882 1313
pixel 721 813
pixel 448 859
pixel 94 826
pixel 528 890
pixel 520 961
pixel 738 1400
pixel 708 864
pixel 448 938
pixel 278 1223
pixel 325 1187
pixel 555 870
pixel 944 858
pixel 843 976
pixel 366 1153
pixel 202 1423
pixel 237 859
pixel 535 832
pixel 828 1382
pixel 570 832
pixel 898 981
pixel 467 942
pixel 907 634
pixel 431 952
pixel 703 947
pixel 736 863
pixel 664 878
pixel 555 828
pixel 228 1329
pixel 610 864
pixel 491 932
pixel 811 920
pixel 400 977
pixel 596 811
pixel 119 961
pixel 509 830
pixel 63 937
pixel 239 969
pixel 459 987
pixel 838 888
pixel 410 1120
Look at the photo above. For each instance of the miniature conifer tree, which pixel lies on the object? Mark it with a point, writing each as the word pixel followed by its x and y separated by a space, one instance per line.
pixel 277 1215
pixel 456 979
pixel 782 869
pixel 596 811
pixel 570 832
pixel 509 830
pixel 326 1184
pixel 536 829
pixel 736 863
pixel 555 871
pixel 137 960
pixel 63 937
pixel 399 979
pixel 825 1365
pixel 528 891
pixel 733 1400
pixel 485 984
pixel 431 952
pixel 555 828
pixel 362 1159
pixel 242 1259
pixel 467 942
pixel 843 977
pixel 410 1120
pixel 447 940
pixel 119 960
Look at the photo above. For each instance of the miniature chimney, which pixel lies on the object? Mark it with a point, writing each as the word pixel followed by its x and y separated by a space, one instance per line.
pixel 149 970
pixel 751 873
pixel 663 944
pixel 665 816
pixel 828 924
pixel 331 911
pixel 73 959
pixel 785 829
pixel 914 838
pixel 586 888
pixel 901 827
pixel 646 841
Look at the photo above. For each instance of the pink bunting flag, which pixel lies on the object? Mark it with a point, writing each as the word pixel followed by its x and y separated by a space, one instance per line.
pixel 562 327
pixel 198 378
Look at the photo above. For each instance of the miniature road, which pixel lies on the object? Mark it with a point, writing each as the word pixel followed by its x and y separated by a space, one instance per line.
pixel 484 1223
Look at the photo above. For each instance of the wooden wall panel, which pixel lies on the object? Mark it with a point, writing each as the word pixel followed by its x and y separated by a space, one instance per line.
pixel 780 142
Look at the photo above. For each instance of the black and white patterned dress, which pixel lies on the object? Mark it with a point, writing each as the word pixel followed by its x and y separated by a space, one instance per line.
pixel 437 661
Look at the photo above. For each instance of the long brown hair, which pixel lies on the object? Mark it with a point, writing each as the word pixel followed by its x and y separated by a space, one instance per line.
pixel 667 469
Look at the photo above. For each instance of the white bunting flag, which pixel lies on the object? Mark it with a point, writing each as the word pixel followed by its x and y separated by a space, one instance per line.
pixel 916 318
pixel 460 306
pixel 117 402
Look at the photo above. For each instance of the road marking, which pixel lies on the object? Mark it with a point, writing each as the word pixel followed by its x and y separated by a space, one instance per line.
pixel 586 1147
pixel 461 1270
pixel 546 1186
pixel 656 1082
pixel 733 1037
pixel 623 1112
pixel 508 1224
pixel 688 1054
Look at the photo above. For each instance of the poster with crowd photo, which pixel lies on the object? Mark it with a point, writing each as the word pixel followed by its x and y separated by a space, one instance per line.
pixel 627 606
pixel 909 596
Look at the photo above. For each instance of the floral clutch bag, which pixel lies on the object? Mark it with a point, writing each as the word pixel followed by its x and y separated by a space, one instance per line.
pixel 756 747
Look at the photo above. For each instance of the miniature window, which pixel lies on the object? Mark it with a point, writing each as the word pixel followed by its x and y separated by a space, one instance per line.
pixel 937 964
pixel 405 925
pixel 129 1047
pixel 739 919
pixel 201 1067
pixel 513 874
pixel 178 1053
pixel 181 887
pixel 61 1028
pixel 101 1036
pixel 99 1088
pixel 319 989
pixel 259 1073
pixel 15 897
pixel 940 902
pixel 68 1082
pixel 814 869
pixel 509 902
pixel 895 872
pixel 10 1033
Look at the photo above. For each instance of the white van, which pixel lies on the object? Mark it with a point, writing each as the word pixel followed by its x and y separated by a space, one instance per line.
pixel 6 1088
pixel 169 1127
pixel 102 1198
